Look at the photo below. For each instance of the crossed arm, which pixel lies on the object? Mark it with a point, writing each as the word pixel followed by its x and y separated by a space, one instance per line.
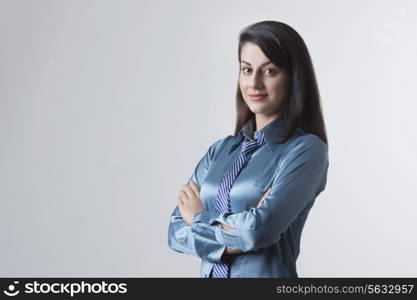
pixel 189 204
pixel 301 176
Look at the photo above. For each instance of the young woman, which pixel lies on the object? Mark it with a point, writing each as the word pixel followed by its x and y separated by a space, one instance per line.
pixel 243 210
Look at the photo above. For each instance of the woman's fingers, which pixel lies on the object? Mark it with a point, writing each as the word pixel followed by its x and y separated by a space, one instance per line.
pixel 188 203
pixel 260 203
pixel 180 200
pixel 195 188
pixel 188 191
pixel 227 228
pixel 267 193
pixel 183 195
pixel 263 197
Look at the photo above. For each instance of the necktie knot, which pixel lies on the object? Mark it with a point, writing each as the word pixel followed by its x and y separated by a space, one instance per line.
pixel 250 145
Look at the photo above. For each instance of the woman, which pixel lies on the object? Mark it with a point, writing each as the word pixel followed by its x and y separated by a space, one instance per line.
pixel 244 207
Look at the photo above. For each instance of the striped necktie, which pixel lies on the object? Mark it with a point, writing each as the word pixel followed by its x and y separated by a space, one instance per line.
pixel 221 269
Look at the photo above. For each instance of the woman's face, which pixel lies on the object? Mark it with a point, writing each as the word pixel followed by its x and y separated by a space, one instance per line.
pixel 260 76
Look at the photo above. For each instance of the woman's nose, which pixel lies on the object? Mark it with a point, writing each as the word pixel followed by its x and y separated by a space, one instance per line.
pixel 255 82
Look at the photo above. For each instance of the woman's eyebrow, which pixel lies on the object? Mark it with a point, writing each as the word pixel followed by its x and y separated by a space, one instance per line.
pixel 265 63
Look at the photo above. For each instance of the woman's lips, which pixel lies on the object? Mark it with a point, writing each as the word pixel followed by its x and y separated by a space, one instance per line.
pixel 257 97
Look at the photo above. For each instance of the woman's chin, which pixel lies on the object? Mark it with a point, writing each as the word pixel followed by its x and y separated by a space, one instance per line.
pixel 256 110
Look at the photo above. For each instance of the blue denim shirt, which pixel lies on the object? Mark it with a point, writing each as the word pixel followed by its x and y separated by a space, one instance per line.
pixel 270 234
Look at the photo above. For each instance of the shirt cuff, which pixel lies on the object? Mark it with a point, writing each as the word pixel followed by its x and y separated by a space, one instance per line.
pixel 206 245
pixel 205 216
pixel 231 238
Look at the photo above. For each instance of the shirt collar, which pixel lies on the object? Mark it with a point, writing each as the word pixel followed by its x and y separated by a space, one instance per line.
pixel 272 131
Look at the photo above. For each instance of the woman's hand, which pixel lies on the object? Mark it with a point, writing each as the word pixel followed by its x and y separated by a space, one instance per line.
pixel 263 197
pixel 231 251
pixel 189 201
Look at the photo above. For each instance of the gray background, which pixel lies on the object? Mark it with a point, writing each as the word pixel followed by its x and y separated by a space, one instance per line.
pixel 107 106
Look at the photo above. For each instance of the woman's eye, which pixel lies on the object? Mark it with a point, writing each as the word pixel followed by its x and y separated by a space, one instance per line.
pixel 243 69
pixel 272 71
pixel 268 71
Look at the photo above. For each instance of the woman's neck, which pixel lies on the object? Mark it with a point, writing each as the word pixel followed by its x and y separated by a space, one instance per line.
pixel 262 120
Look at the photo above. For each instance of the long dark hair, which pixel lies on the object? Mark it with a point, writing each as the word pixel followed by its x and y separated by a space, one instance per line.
pixel 286 49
